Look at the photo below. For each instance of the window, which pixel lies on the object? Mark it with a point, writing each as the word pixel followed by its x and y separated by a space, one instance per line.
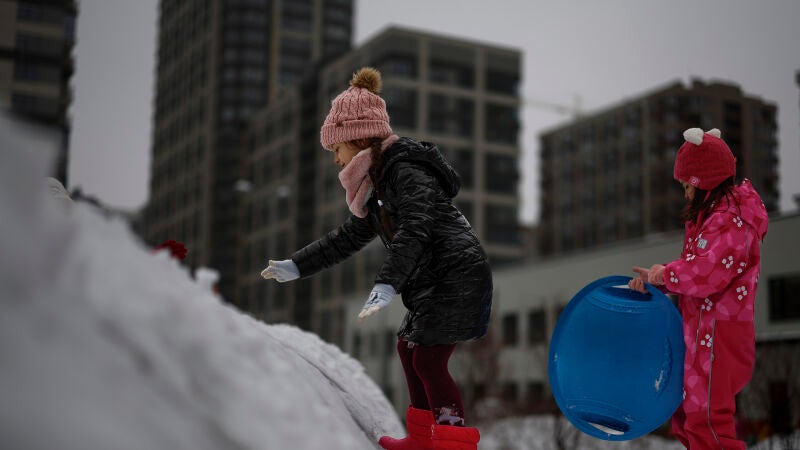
pixel 502 124
pixel 509 392
pixel 35 105
pixel 403 66
pixel 32 12
pixel 450 115
pixel 510 329
pixel 535 394
pixel 537 327
pixel 451 74
pixel 501 224
pixel 37 72
pixel 39 45
pixel 501 173
pixel 402 107
pixel 783 304
pixel 502 82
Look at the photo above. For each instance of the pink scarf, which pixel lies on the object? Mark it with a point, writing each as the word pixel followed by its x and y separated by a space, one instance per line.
pixel 355 178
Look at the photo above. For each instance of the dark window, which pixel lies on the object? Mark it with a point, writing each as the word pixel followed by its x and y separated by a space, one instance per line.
pixel 535 393
pixel 501 224
pixel 537 327
pixel 403 66
pixel 32 12
pixel 39 45
pixel 35 106
pixel 502 82
pixel 451 74
pixel 450 115
pixel 402 107
pixel 509 392
pixel 510 329
pixel 37 72
pixel 501 173
pixel 502 124
pixel 783 304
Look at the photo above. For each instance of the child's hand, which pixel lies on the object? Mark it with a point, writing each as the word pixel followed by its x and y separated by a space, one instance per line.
pixel 637 284
pixel 656 275
pixel 281 271
pixel 379 298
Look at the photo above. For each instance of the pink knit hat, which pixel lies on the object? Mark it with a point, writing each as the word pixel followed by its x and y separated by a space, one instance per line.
pixel 704 160
pixel 357 113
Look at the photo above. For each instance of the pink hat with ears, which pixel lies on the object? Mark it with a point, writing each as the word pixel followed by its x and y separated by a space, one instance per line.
pixel 357 113
pixel 704 160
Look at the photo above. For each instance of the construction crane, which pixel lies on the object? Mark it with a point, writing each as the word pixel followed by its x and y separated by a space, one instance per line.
pixel 573 110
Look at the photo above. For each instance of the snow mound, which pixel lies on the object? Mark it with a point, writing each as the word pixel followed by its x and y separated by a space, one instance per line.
pixel 105 344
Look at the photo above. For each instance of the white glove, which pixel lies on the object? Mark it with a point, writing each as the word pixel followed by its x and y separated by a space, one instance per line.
pixel 281 271
pixel 379 298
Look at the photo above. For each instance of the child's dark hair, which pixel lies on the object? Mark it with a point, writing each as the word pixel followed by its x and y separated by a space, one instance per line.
pixel 704 201
pixel 375 169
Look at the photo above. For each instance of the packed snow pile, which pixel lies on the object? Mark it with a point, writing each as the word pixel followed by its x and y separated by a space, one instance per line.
pixel 105 344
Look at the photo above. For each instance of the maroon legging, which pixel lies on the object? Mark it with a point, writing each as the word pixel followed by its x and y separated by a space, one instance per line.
pixel 430 385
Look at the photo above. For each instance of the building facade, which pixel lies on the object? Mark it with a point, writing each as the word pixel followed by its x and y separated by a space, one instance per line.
pixel 461 95
pixel 218 62
pixel 608 176
pixel 36 64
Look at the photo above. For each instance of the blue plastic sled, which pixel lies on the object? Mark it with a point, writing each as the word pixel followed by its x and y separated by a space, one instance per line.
pixel 616 360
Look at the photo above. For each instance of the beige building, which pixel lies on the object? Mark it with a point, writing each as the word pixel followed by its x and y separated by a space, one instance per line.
pixel 529 297
pixel 36 41
pixel 607 176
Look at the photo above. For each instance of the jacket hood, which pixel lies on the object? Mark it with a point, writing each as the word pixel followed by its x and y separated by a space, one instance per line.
pixel 428 155
pixel 750 208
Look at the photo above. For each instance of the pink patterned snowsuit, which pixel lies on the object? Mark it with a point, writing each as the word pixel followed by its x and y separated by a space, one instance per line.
pixel 716 280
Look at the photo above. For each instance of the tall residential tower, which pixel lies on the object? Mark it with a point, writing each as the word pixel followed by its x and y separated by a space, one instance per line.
pixel 608 176
pixel 218 62
pixel 36 41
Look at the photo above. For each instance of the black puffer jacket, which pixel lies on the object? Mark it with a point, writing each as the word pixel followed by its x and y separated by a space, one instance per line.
pixel 434 259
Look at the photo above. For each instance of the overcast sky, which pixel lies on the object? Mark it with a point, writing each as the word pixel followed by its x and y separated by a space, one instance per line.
pixel 599 52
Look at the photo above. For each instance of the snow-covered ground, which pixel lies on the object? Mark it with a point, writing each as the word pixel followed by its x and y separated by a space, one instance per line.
pixel 107 345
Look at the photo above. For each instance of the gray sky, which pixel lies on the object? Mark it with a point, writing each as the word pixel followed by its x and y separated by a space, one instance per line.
pixel 601 52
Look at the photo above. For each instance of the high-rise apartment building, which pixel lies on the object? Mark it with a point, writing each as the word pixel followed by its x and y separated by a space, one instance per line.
pixel 608 176
pixel 218 62
pixel 36 41
pixel 459 94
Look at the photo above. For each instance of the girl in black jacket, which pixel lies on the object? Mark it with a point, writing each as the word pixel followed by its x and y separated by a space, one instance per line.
pixel 402 191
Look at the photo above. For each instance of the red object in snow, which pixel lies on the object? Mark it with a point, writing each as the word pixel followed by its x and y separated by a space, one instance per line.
pixel 177 249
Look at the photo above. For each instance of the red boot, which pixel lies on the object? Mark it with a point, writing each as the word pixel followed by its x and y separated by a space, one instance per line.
pixel 446 437
pixel 418 422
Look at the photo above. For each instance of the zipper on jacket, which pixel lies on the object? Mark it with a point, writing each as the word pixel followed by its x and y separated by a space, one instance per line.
pixel 697 332
pixel 708 391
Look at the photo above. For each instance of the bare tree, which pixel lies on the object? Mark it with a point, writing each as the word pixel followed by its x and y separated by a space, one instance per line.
pixel 772 399
pixel 476 366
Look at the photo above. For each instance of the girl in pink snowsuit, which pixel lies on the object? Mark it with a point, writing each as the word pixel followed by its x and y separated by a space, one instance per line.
pixel 716 279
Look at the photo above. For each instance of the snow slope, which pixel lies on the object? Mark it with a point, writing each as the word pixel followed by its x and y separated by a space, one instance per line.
pixel 105 344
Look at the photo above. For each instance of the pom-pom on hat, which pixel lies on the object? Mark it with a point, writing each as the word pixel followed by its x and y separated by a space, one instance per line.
pixel 704 160
pixel 358 112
